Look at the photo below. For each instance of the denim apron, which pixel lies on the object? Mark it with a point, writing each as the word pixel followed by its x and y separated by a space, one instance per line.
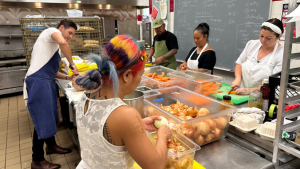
pixel 42 98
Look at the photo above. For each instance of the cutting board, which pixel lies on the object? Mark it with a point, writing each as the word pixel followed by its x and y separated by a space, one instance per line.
pixel 196 165
pixel 235 99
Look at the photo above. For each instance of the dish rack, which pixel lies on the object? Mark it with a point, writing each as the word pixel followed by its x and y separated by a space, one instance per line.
pixel 89 30
pixel 281 144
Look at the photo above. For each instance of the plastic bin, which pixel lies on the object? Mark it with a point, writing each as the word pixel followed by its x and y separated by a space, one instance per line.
pixel 274 83
pixel 218 117
pixel 154 84
pixel 182 160
pixel 198 82
pixel 143 81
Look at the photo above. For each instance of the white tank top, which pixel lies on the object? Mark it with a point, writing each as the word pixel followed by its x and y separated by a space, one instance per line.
pixel 96 151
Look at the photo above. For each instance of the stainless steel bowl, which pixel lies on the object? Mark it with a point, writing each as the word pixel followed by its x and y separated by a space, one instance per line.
pixel 136 100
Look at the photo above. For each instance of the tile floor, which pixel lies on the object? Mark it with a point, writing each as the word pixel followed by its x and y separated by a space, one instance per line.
pixel 16 130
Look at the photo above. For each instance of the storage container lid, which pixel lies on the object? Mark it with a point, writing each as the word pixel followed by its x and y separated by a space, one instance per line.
pixel 225 97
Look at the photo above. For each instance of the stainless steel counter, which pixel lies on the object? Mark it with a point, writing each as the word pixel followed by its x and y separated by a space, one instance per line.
pixel 232 152
pixel 228 155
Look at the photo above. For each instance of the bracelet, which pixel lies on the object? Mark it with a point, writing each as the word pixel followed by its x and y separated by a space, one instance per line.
pixel 66 77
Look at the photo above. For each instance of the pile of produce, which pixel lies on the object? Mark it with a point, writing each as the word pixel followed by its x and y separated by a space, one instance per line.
pixel 205 131
pixel 207 88
pixel 160 78
pixel 201 132
pixel 183 162
pixel 83 67
pixel 185 112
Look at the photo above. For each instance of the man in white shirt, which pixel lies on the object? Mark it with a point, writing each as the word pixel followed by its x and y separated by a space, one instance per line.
pixel 40 89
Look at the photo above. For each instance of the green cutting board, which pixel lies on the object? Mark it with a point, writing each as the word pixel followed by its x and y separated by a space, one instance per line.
pixel 235 99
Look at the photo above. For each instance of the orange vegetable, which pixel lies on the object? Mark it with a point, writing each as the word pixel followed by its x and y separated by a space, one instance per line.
pixel 160 78
pixel 220 91
pixel 154 74
pixel 220 85
pixel 165 78
pixel 232 92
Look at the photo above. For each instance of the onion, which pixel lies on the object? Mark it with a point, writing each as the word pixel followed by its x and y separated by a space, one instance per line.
pixel 218 133
pixel 159 123
pixel 190 132
pixel 199 140
pixel 221 122
pixel 191 112
pixel 204 128
pixel 187 131
pixel 212 124
pixel 196 133
pixel 209 137
pixel 203 112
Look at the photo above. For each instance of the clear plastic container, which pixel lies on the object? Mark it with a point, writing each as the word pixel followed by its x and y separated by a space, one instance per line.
pixel 143 81
pixel 267 131
pixel 217 120
pixel 244 123
pixel 182 160
pixel 155 84
pixel 198 82
pixel 255 99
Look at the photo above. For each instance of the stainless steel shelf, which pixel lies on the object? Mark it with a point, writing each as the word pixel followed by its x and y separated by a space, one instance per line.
pixel 279 142
pixel 10 35
pixel 286 147
pixel 13 61
pixel 295 55
pixel 290 99
pixel 291 126
pixel 292 113
pixel 293 143
pixel 294 71
pixel 9 24
pixel 296 40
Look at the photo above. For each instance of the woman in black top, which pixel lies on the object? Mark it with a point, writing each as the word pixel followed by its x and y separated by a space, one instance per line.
pixel 201 56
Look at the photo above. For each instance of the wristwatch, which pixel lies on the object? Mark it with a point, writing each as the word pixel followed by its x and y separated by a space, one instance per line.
pixel 66 77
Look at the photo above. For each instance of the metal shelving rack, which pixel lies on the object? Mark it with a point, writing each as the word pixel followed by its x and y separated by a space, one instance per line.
pixel 281 144
pixel 32 28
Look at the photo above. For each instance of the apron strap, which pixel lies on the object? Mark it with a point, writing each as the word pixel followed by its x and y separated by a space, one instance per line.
pixel 273 53
pixel 199 53
pixel 202 51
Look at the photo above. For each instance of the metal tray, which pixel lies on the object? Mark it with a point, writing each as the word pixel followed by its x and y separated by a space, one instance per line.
pixel 295 85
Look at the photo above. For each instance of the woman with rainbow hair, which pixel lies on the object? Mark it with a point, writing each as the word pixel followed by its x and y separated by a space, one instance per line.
pixel 112 134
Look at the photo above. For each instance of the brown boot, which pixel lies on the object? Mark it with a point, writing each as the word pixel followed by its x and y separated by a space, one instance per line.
pixel 44 165
pixel 55 149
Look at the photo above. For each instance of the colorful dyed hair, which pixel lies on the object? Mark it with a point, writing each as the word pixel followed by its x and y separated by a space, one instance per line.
pixel 121 53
